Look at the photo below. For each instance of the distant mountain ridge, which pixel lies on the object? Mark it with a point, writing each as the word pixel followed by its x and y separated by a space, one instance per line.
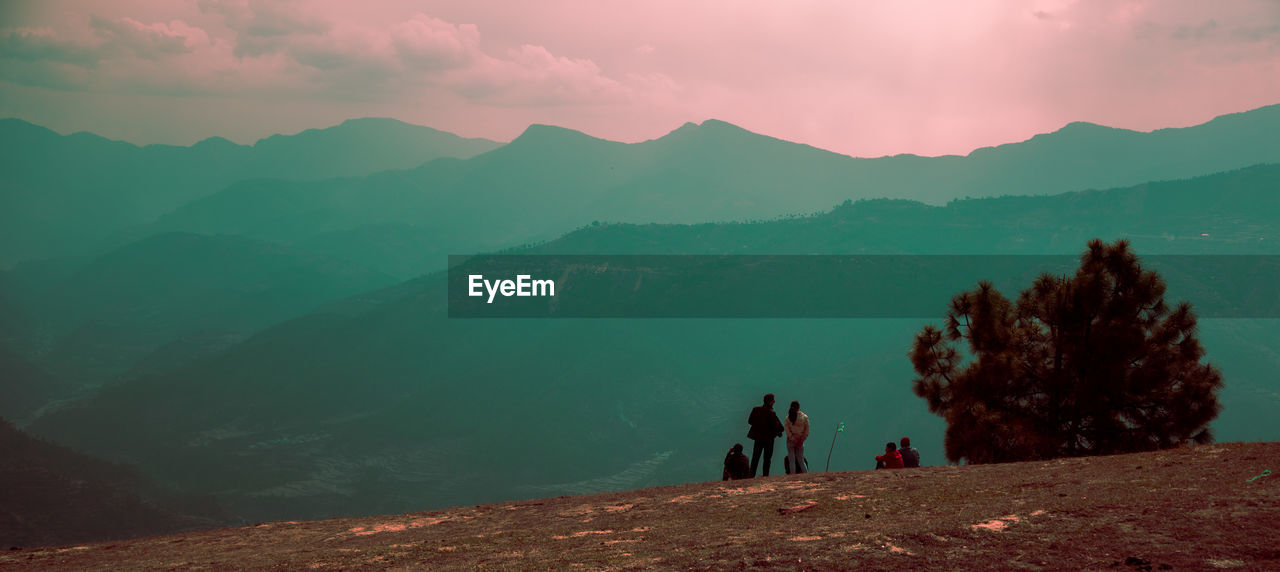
pixel 551 179
pixel 383 134
pixel 63 194
pixel 116 308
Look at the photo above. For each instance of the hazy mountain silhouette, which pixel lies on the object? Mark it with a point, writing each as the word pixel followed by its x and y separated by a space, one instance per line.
pixel 26 387
pixel 1231 212
pixel 61 193
pixel 117 308
pixel 551 179
pixel 16 323
pixel 53 495
pixel 381 403
pixel 182 350
pixel 358 147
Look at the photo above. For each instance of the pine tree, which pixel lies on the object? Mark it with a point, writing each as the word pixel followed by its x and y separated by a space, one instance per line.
pixel 1094 363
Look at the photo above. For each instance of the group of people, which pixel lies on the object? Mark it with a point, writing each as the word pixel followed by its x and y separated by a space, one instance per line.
pixel 765 427
pixel 895 458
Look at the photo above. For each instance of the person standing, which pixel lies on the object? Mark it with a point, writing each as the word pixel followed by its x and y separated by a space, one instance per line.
pixel 797 426
pixel 765 427
pixel 910 456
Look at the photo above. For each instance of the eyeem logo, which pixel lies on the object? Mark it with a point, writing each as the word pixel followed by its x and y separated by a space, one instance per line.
pixel 523 285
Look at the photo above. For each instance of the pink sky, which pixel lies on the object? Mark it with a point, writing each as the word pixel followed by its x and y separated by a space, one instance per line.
pixel 861 78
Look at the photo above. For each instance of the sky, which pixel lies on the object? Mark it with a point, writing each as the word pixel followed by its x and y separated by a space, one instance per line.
pixel 856 77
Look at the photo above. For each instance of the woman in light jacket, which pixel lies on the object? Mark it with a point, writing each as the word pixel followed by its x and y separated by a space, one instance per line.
pixel 797 425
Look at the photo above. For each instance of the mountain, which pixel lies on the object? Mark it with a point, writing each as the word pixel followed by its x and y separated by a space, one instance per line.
pixel 16 323
pixel 52 495
pixel 551 180
pixel 357 147
pixel 118 307
pixel 26 387
pixel 1226 213
pixel 381 402
pixel 62 194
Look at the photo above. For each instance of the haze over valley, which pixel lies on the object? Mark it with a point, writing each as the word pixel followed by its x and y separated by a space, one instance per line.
pixel 262 333
pixel 236 238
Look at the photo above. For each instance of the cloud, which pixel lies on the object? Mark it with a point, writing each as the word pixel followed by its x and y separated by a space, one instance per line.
pixel 149 41
pixel 37 57
pixel 104 55
pixel 532 75
pixel 1258 33
pixel 429 44
pixel 287 49
pixel 857 77
pixel 343 59
pixel 265 26
pixel 124 55
pixel 42 44
pixel 1198 32
pixel 104 39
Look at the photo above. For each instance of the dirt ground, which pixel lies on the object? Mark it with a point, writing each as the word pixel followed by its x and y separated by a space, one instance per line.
pixel 1200 508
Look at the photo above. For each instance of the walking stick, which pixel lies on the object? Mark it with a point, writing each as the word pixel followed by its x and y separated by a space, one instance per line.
pixel 839 430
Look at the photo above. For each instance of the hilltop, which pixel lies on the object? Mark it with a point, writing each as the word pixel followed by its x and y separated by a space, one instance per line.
pixel 1193 507
pixel 50 494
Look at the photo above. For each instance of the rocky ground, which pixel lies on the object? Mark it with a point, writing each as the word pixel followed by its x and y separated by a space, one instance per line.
pixel 1199 507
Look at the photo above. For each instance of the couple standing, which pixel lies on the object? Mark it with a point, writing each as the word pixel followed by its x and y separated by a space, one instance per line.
pixel 765 427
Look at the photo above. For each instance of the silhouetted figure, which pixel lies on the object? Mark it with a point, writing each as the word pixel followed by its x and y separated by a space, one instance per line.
pixel 736 464
pixel 797 426
pixel 765 427
pixel 891 459
pixel 910 457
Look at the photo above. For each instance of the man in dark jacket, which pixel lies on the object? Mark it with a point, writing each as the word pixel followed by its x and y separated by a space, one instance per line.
pixel 910 456
pixel 736 465
pixel 765 427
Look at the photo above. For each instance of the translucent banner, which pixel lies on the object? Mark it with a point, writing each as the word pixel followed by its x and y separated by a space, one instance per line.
pixel 813 286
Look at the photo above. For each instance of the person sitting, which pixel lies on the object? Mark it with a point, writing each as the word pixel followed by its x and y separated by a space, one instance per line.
pixel 910 457
pixel 891 459
pixel 736 464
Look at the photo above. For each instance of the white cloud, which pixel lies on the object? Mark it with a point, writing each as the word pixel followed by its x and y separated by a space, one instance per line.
pixel 856 77
pixel 279 47
pixel 43 44
pixel 149 41
pixel 531 75
pixel 265 26
pixel 429 44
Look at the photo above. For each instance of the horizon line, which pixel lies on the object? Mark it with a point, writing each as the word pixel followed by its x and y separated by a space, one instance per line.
pixel 683 125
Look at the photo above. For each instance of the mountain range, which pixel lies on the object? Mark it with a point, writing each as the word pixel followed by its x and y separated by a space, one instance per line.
pixel 99 317
pixel 64 194
pixel 381 402
pixel 369 190
pixel 267 325
pixel 550 180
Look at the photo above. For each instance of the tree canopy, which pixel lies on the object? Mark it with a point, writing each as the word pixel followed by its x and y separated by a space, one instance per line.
pixel 1094 363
